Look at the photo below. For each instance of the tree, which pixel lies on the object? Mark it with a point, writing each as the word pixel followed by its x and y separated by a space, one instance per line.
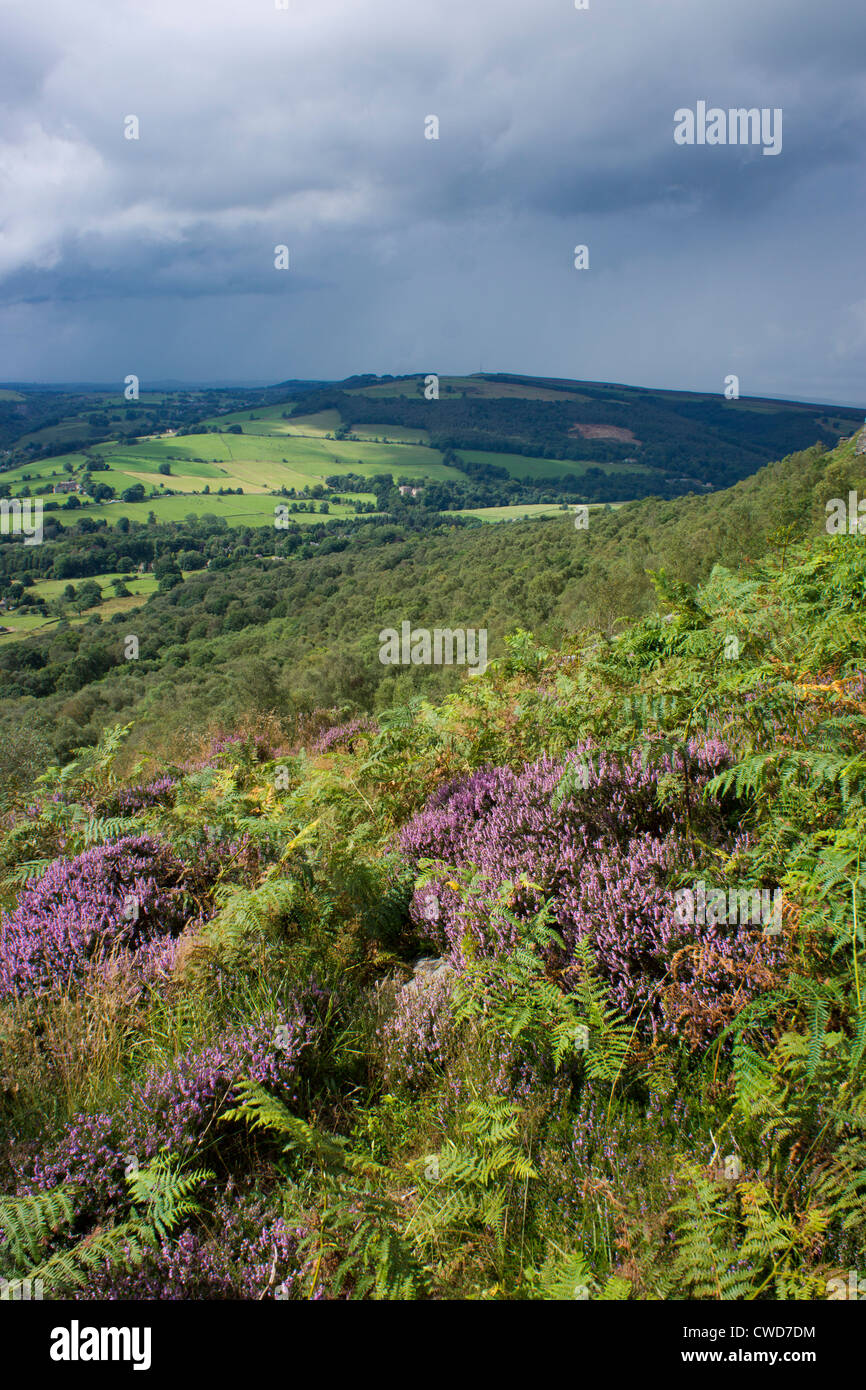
pixel 164 564
pixel 191 560
pixel 87 595
pixel 169 578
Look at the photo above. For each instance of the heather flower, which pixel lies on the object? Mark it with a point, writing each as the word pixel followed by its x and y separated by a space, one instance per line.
pixel 604 850
pixel 344 734
pixel 130 800
pixel 114 898
pixel 177 1107
pixel 242 1251
pixel 416 1039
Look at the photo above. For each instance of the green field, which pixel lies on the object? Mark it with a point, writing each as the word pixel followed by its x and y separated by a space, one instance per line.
pixel 254 510
pixel 259 464
pixel 269 422
pixel 397 434
pixel 140 586
pixel 75 425
pixel 135 582
pixel 53 434
pixel 524 466
pixel 519 513
pixel 266 420
pixel 527 511
pixel 43 470
pixel 263 462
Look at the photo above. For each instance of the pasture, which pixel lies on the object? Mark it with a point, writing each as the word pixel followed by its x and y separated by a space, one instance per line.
pixel 528 511
pixel 521 466
pixel 24 622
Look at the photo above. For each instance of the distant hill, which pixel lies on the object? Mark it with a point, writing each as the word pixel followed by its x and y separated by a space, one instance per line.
pixel 486 441
pixel 684 438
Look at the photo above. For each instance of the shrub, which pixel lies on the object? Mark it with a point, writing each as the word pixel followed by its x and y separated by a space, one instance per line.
pixel 246 1253
pixel 603 850
pixel 177 1106
pixel 114 898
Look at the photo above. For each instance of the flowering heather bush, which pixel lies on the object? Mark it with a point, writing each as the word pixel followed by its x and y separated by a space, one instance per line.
pixel 152 965
pixel 605 855
pixel 84 909
pixel 219 852
pixel 343 733
pixel 223 742
pixel 417 1036
pixel 130 800
pixel 177 1107
pixel 186 1267
pixel 246 1253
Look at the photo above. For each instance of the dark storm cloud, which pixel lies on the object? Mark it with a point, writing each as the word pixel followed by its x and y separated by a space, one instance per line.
pixel 305 127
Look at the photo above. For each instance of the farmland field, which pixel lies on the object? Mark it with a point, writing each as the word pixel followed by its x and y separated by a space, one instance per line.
pixel 518 513
pixel 527 511
pixel 264 461
pixel 249 510
pixel 526 466
pixel 22 621
pixel 258 464
pixel 269 421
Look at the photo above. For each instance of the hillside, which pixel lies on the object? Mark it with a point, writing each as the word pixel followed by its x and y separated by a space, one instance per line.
pixel 481 443
pixel 252 633
pixel 549 987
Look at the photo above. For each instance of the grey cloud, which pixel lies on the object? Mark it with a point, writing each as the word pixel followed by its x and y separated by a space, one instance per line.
pixel 305 127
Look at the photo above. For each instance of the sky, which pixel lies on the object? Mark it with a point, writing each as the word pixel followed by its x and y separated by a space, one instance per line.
pixel 306 127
